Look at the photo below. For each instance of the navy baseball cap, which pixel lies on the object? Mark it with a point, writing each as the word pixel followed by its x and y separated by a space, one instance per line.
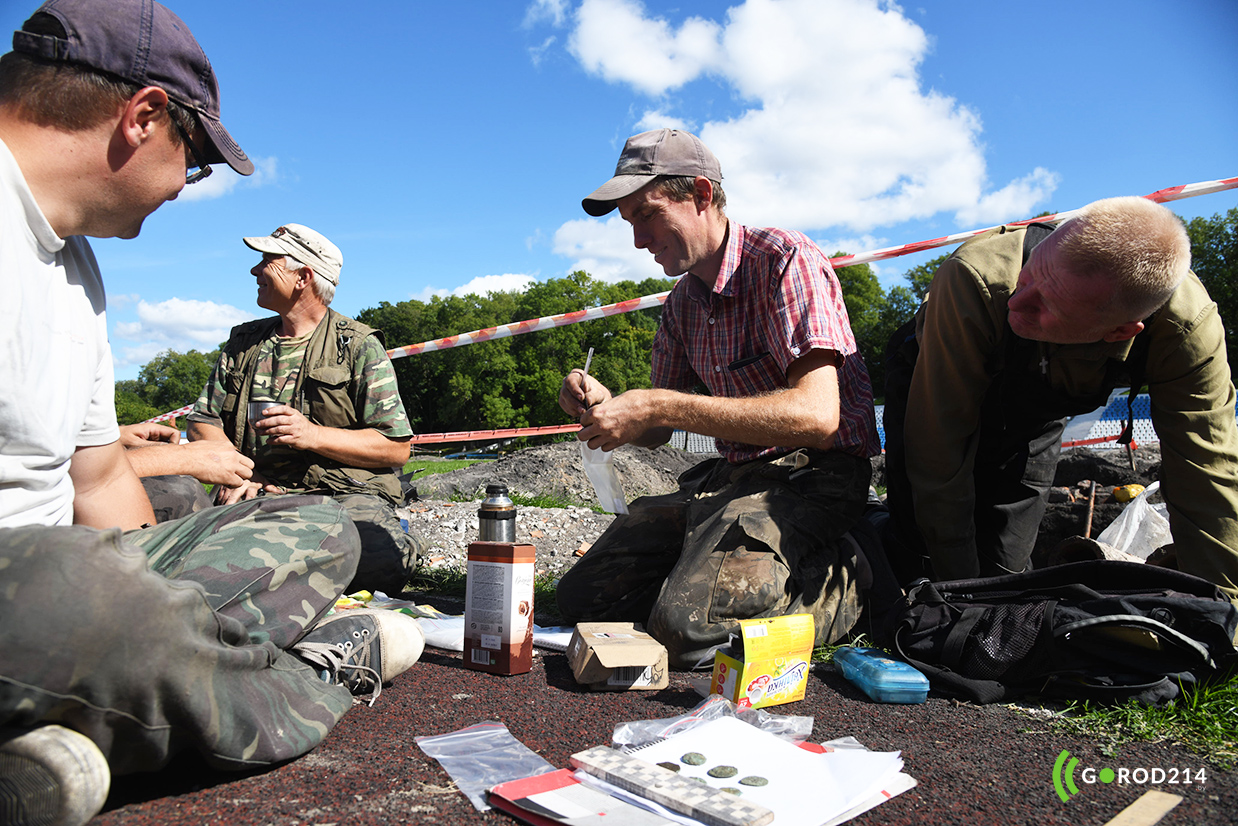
pixel 140 41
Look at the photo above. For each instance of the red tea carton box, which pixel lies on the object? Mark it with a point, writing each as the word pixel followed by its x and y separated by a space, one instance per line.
pixel 498 608
pixel 766 664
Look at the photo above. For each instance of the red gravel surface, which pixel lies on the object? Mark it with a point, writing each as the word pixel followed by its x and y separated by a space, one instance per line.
pixel 975 764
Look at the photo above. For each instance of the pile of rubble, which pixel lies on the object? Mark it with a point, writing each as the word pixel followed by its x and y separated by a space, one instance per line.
pixel 446 516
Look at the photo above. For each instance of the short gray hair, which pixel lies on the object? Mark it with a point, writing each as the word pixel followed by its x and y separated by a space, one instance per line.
pixel 1141 246
pixel 322 288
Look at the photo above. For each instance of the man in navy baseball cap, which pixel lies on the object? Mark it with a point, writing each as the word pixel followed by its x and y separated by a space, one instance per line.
pixel 205 632
pixel 139 41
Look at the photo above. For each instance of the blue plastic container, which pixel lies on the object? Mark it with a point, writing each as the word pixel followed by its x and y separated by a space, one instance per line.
pixel 881 678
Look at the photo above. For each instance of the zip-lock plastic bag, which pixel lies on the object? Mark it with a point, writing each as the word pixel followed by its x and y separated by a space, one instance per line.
pixel 600 468
pixel 631 736
pixel 481 757
pixel 1141 528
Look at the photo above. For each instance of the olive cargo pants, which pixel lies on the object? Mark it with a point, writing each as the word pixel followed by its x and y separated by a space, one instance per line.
pixel 759 539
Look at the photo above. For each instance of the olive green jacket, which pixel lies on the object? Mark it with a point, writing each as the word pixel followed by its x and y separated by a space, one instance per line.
pixel 961 329
pixel 325 392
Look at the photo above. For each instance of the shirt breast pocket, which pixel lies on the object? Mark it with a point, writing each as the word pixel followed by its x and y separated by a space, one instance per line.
pixel 326 393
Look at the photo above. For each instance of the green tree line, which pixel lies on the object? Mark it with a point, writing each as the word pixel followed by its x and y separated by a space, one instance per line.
pixel 514 382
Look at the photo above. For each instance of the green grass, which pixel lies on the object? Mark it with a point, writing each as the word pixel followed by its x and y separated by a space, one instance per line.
pixel 430 467
pixel 825 653
pixel 1204 719
pixel 443 581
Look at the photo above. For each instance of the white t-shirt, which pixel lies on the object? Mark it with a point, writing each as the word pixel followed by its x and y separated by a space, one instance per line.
pixel 56 389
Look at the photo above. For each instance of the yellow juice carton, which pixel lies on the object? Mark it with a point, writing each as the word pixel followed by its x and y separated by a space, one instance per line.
pixel 767 663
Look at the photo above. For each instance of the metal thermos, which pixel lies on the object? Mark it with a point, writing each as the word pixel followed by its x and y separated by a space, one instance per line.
pixel 497 516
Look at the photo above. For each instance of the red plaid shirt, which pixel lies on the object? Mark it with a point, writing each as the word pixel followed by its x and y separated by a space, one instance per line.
pixel 776 298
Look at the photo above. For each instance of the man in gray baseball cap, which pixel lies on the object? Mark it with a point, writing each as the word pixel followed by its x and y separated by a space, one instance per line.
pixel 669 152
pixel 203 632
pixel 758 319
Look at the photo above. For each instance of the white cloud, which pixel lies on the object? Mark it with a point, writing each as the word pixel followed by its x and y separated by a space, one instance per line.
pixel 507 282
pixel 999 206
pixel 223 180
pixel 850 244
pixel 604 249
pixel 555 11
pixel 659 119
pixel 536 53
pixel 175 324
pixel 615 39
pixel 836 129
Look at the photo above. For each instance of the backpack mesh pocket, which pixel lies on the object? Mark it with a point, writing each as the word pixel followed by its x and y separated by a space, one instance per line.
pixel 1001 639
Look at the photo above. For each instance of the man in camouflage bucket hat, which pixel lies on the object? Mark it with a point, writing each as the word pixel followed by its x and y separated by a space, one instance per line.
pixel 124 643
pixel 337 425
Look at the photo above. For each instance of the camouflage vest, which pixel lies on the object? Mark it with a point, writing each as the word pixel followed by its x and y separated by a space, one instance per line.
pixel 323 392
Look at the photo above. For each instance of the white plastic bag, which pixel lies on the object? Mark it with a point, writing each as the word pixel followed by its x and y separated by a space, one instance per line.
pixel 600 468
pixel 1141 528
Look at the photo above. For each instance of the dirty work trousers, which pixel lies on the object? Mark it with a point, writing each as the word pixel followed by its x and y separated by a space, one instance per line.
pixel 176 636
pixel 389 554
pixel 758 539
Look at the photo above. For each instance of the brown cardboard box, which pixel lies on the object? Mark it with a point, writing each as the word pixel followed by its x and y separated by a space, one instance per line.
pixel 615 656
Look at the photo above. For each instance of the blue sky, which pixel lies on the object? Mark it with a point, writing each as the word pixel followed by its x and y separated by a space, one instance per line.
pixel 445 147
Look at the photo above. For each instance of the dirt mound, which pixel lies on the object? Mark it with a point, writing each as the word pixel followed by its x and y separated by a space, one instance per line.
pixel 556 470
pixel 1067 513
pixel 561 534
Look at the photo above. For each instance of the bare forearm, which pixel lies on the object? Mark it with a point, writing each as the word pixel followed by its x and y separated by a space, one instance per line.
pixel 358 448
pixel 780 419
pixel 199 431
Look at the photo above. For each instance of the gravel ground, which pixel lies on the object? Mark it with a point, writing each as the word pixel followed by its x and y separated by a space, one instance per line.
pixel 558 534
pixel 562 535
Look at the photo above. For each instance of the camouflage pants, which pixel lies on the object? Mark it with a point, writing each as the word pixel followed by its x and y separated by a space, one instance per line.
pixel 760 539
pixel 176 636
pixel 175 497
pixel 388 553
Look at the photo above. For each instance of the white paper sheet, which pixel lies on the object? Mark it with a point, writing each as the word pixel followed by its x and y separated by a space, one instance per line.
pixel 804 789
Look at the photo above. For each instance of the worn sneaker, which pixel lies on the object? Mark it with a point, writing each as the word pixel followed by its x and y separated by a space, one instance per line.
pixel 362 648
pixel 50 776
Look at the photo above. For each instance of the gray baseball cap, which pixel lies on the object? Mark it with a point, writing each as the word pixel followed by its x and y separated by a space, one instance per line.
pixel 304 244
pixel 139 41
pixel 648 155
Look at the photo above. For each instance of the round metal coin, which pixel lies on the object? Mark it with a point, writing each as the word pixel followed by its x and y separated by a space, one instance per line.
pixel 723 771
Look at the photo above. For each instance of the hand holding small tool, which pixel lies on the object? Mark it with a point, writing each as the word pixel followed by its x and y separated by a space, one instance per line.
pixel 576 395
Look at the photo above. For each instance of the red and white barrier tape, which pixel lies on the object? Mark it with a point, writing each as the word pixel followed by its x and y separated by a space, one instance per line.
pixel 175 414
pixel 1097 441
pixel 486 435
pixel 1173 193
pixel 518 327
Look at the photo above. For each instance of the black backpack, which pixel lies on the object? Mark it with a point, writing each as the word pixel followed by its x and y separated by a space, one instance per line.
pixel 1101 630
